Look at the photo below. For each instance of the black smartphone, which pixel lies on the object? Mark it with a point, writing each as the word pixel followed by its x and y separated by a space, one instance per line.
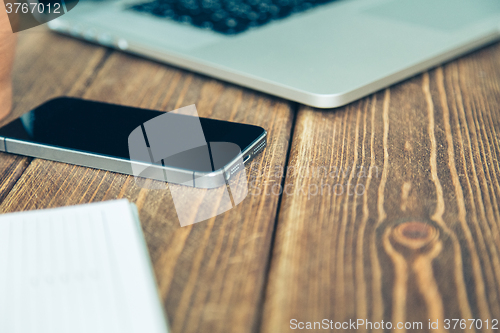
pixel 160 145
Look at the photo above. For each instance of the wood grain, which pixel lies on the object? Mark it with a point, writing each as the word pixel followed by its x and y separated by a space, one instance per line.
pixel 46 65
pixel 11 169
pixel 211 274
pixel 392 210
pixel 49 65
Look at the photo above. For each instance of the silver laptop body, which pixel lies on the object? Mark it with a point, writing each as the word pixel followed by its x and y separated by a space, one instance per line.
pixel 325 57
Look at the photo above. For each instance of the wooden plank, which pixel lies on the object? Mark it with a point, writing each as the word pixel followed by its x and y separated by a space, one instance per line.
pixel 211 274
pixel 11 169
pixel 46 66
pixel 415 234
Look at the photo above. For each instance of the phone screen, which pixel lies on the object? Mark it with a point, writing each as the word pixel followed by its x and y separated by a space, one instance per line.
pixel 104 129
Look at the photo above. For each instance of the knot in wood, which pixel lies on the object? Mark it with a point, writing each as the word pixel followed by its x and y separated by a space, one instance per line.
pixel 414 234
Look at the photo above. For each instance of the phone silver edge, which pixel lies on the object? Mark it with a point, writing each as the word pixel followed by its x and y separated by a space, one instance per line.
pixel 158 172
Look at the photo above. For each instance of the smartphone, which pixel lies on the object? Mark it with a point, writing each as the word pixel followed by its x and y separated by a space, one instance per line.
pixel 97 135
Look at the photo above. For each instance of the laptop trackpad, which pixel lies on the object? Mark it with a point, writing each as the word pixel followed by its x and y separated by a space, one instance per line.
pixel 443 14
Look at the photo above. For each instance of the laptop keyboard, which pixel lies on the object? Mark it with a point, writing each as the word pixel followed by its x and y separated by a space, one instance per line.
pixel 228 17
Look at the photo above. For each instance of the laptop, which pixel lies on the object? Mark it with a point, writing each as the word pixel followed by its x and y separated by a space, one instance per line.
pixel 322 53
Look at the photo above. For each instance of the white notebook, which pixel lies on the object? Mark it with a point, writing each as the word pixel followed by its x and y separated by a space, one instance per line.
pixel 77 269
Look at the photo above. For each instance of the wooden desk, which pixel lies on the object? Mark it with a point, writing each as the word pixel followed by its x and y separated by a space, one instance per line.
pixel 389 211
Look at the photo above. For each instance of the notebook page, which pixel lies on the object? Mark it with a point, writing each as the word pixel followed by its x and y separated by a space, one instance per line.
pixel 77 269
